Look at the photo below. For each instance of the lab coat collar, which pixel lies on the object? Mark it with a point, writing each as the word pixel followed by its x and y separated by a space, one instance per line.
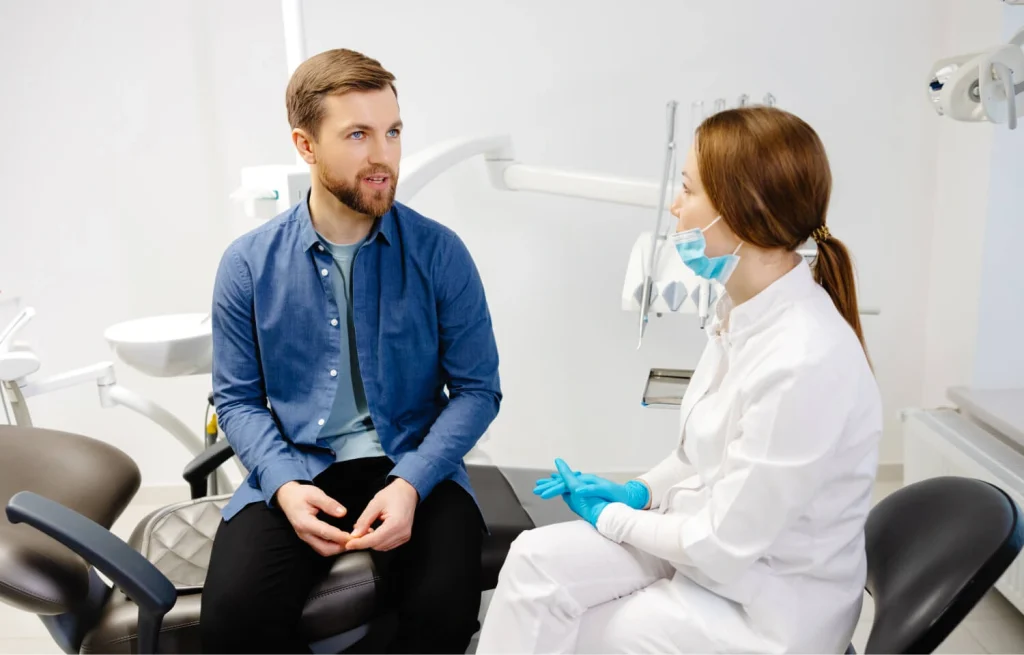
pixel 383 227
pixel 747 316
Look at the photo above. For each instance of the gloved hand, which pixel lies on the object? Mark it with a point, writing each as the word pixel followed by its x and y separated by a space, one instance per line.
pixel 633 493
pixel 588 508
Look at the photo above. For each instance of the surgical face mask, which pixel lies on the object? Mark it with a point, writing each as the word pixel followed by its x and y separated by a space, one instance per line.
pixel 690 245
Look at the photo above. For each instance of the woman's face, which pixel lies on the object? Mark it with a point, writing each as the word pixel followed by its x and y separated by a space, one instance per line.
pixel 693 210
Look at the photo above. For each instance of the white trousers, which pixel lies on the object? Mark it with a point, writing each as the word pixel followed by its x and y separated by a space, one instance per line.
pixel 565 588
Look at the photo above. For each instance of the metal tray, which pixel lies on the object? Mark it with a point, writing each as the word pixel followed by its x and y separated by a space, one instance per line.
pixel 665 387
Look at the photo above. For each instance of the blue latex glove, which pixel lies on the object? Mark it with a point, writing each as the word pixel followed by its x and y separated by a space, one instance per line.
pixel 588 508
pixel 633 493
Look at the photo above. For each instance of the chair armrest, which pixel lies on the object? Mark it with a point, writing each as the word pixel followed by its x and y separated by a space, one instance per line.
pixel 130 571
pixel 204 464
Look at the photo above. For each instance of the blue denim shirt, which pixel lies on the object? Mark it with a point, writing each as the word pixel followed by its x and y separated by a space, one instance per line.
pixel 421 324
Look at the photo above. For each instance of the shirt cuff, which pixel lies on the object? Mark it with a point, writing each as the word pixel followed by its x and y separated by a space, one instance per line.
pixel 613 521
pixel 417 471
pixel 279 473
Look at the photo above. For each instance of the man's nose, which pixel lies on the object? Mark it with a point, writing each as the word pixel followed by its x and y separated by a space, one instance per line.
pixel 380 152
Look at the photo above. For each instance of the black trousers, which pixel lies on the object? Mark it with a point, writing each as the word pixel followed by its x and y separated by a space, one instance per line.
pixel 261 573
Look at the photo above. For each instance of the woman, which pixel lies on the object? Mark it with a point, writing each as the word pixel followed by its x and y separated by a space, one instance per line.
pixel 748 537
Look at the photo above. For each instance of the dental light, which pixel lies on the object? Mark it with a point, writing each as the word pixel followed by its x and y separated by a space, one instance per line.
pixel 981 86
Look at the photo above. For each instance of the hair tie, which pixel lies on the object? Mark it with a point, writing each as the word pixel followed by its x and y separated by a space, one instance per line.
pixel 821 234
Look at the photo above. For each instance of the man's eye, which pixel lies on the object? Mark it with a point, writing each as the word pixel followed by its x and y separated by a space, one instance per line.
pixel 394 133
pixel 357 135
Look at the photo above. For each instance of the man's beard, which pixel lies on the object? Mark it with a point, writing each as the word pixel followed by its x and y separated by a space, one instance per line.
pixel 369 202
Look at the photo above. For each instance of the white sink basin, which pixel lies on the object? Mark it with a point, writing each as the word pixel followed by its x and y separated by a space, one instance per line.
pixel 164 346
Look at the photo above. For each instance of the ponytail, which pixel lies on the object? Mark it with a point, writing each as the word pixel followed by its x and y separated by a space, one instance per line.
pixel 833 270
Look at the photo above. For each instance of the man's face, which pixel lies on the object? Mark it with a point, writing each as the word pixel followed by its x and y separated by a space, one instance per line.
pixel 357 152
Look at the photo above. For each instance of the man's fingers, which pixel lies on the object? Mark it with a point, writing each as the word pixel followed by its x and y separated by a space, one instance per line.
pixel 383 538
pixel 328 505
pixel 381 545
pixel 370 541
pixel 322 546
pixel 367 519
pixel 326 531
pixel 393 544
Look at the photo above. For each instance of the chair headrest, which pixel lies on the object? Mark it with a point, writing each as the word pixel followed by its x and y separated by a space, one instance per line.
pixel 934 548
pixel 95 479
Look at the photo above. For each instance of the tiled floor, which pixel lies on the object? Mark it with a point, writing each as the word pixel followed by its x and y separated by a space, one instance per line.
pixel 994 626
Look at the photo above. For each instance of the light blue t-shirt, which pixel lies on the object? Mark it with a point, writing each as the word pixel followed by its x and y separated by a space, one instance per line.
pixel 349 428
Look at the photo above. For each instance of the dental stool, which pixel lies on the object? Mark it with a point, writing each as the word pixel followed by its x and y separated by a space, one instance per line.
pixel 70 489
pixel 935 548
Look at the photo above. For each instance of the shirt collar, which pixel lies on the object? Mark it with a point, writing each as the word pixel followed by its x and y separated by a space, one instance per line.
pixel 383 227
pixel 794 284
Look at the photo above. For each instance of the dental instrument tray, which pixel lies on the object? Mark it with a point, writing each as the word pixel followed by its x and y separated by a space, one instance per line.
pixel 665 387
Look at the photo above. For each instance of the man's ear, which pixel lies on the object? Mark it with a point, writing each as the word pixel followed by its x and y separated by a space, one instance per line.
pixel 304 145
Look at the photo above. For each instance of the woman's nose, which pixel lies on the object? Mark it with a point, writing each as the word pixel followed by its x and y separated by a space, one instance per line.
pixel 677 205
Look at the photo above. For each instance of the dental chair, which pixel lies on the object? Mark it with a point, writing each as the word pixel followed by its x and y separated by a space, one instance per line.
pixel 935 548
pixel 69 490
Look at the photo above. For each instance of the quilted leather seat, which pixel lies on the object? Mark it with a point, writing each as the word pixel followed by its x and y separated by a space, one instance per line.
pixel 97 480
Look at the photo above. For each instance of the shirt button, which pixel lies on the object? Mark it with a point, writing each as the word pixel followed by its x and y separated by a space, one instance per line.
pixel 320 247
pixel 333 373
pixel 323 272
pixel 320 422
pixel 334 322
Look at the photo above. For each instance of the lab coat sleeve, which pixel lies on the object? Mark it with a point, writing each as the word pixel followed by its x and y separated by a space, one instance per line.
pixel 668 472
pixel 791 420
pixel 469 359
pixel 238 385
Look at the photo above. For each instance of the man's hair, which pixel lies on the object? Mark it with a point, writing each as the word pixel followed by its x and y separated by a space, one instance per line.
pixel 333 72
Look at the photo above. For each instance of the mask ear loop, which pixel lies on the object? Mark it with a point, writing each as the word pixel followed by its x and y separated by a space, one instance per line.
pixel 711 224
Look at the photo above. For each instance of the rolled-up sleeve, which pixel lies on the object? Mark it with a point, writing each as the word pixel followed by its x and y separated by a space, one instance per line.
pixel 238 384
pixel 469 359
pixel 787 431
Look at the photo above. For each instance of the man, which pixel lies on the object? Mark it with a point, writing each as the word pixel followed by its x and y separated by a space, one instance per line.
pixel 337 327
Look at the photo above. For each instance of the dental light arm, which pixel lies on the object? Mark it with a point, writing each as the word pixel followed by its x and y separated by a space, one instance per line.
pixel 270 190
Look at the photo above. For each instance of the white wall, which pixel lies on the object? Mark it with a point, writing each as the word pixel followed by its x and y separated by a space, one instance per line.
pixel 130 124
pixel 573 90
pixel 999 359
pixel 122 130
pixel 961 206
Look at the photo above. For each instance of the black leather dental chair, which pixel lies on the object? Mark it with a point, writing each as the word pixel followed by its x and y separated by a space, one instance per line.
pixel 935 548
pixel 69 490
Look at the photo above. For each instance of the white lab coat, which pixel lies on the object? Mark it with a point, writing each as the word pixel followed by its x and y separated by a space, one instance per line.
pixel 754 542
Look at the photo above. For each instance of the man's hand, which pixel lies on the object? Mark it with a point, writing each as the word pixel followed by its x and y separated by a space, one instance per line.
pixel 301 503
pixel 395 505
